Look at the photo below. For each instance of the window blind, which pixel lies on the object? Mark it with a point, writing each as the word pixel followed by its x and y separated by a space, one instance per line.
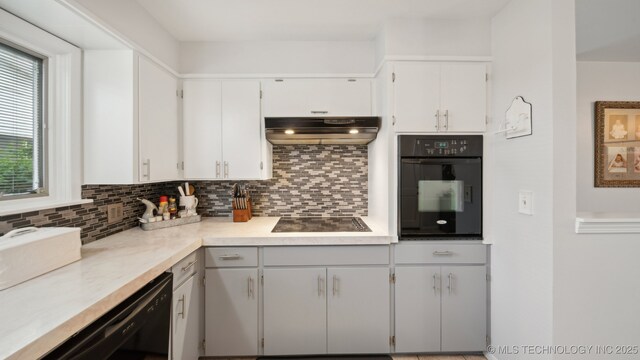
pixel 21 122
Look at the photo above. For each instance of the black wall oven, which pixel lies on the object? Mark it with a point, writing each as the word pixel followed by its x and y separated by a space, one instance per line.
pixel 440 187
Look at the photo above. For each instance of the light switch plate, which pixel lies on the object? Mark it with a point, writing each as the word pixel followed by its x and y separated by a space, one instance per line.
pixel 525 202
pixel 114 213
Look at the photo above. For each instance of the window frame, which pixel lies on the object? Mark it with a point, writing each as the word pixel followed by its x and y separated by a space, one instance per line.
pixel 43 189
pixel 64 115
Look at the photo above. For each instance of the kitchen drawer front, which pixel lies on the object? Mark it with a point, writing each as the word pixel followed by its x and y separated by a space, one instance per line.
pixel 184 268
pixel 440 253
pixel 230 257
pixel 326 255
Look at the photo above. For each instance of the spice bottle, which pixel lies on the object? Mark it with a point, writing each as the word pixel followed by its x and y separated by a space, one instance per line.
pixel 173 208
pixel 163 207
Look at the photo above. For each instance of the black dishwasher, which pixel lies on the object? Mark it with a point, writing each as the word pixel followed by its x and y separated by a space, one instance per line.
pixel 138 328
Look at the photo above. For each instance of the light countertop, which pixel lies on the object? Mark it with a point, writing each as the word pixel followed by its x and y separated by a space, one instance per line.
pixel 41 313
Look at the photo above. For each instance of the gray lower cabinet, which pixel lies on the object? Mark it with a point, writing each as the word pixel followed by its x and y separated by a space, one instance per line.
pixel 337 310
pixel 295 311
pixel 185 319
pixel 464 306
pixel 417 304
pixel 358 310
pixel 231 314
pixel 440 308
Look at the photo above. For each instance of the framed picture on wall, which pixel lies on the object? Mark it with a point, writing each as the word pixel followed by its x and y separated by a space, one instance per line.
pixel 617 144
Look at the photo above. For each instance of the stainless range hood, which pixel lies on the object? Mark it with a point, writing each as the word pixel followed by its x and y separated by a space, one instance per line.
pixel 325 130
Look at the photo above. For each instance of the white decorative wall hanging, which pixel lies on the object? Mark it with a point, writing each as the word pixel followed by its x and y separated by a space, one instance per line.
pixel 517 120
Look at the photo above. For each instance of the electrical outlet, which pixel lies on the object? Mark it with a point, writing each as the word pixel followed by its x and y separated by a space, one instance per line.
pixel 114 213
pixel 525 202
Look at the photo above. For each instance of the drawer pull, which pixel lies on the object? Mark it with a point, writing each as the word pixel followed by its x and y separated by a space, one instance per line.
pixel 189 265
pixel 231 257
pixel 442 253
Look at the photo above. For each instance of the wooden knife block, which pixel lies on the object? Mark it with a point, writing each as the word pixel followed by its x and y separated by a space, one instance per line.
pixel 242 215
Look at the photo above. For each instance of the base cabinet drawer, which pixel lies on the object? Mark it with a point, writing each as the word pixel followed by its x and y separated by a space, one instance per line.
pixel 420 253
pixel 215 257
pixel 440 308
pixel 231 314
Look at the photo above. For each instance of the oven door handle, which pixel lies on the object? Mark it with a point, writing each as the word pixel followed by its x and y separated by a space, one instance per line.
pixel 447 160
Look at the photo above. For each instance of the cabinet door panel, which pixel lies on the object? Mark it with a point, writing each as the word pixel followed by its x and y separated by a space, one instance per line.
pixel 202 134
pixel 358 310
pixel 158 123
pixel 416 96
pixel 286 98
pixel 242 139
pixel 417 305
pixel 185 327
pixel 464 308
pixel 340 97
pixel 231 312
pixel 464 97
pixel 295 311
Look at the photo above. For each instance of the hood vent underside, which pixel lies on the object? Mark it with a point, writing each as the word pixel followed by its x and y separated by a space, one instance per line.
pixel 330 131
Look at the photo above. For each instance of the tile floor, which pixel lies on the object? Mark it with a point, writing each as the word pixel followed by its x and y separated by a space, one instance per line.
pixel 399 357
pixel 438 357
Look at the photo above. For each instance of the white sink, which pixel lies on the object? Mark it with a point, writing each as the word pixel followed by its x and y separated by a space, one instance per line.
pixel 30 252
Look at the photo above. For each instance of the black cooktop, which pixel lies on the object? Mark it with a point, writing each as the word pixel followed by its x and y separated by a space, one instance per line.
pixel 320 224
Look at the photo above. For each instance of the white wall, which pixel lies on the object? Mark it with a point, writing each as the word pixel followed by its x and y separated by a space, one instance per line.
pixel 277 57
pixel 602 81
pixel 597 277
pixel 416 37
pixel 130 20
pixel 522 257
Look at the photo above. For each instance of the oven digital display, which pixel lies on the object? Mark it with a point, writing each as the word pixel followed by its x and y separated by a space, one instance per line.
pixel 441 144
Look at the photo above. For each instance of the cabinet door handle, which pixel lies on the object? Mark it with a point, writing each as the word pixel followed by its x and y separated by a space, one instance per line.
pixel 319 112
pixel 446 119
pixel 450 286
pixel 181 300
pixel 147 164
pixel 249 287
pixel 190 264
pixel 226 169
pixel 230 257
pixel 335 287
pixel 217 169
pixel 435 288
pixel 437 116
pixel 442 253
pixel 320 285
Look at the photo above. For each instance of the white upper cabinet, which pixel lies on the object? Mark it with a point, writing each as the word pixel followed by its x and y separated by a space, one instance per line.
pixel 317 97
pixel 223 136
pixel 464 96
pixel 158 123
pixel 439 97
pixel 416 96
pixel 202 129
pixel 130 119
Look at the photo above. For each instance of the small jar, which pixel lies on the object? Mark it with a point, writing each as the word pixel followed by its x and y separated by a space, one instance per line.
pixel 173 208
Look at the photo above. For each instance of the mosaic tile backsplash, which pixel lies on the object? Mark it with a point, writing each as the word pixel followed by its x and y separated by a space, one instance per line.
pixel 308 180
pixel 92 218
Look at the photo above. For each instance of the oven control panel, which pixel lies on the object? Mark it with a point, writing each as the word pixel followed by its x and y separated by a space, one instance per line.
pixel 440 145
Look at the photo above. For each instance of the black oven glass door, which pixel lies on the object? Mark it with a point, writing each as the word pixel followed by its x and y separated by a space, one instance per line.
pixel 440 197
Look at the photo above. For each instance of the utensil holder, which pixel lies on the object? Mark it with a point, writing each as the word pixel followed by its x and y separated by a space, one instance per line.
pixel 242 215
